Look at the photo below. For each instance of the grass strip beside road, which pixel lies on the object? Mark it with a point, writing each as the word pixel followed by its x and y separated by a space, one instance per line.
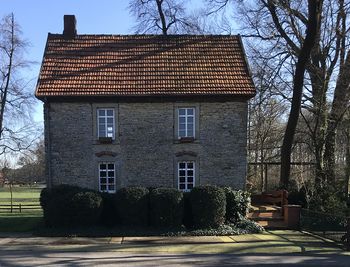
pixel 25 221
pixel 269 243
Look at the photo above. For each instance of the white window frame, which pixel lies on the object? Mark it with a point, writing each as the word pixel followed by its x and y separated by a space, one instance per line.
pixel 105 117
pixel 186 116
pixel 107 177
pixel 186 169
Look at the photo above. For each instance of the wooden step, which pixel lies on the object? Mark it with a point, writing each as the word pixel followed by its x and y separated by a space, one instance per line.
pixel 265 208
pixel 265 216
pixel 273 225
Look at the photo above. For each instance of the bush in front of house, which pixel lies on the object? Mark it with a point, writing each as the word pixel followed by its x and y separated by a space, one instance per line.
pixel 187 219
pixel 109 216
pixel 237 204
pixel 67 206
pixel 132 205
pixel 166 207
pixel 86 208
pixel 208 206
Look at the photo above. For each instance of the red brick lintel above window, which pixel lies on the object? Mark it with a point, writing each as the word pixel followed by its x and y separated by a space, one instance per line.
pixel 106 153
pixel 186 153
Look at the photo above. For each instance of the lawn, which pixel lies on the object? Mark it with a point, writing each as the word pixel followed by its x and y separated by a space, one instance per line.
pixel 23 221
pixel 21 194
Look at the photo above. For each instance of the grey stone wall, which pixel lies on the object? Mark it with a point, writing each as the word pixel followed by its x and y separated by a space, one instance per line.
pixel 146 150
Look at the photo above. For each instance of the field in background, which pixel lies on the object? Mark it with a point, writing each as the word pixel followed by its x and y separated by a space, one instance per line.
pixel 30 215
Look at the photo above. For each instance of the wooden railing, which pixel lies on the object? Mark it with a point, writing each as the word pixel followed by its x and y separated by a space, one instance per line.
pixel 19 207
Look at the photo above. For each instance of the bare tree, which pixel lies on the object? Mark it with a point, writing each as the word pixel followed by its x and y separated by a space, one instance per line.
pixel 278 31
pixel 162 16
pixel 312 29
pixel 16 128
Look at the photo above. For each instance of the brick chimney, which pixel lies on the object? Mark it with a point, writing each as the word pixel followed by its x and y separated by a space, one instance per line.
pixel 70 30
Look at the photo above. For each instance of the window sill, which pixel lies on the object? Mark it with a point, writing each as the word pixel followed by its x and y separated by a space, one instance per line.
pixel 105 140
pixel 184 140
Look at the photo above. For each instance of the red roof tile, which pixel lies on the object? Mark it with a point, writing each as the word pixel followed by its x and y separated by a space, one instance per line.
pixel 144 65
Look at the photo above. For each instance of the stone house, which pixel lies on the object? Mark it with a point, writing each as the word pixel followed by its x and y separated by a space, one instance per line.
pixel 150 110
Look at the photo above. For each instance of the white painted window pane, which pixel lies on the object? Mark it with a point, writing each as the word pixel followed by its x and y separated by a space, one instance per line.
pixel 110 121
pixel 182 133
pixel 182 111
pixel 190 111
pixel 109 112
pixel 102 133
pixel 111 187
pixel 101 112
pixel 190 120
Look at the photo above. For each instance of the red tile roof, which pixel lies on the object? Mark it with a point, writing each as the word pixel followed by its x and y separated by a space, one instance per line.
pixel 144 65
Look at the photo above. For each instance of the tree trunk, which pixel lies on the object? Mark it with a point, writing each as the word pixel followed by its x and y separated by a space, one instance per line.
pixel 339 107
pixel 314 8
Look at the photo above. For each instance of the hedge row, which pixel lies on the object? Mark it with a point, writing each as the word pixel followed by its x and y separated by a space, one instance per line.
pixel 203 207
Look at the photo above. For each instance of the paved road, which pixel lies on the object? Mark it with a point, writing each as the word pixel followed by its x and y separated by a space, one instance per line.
pixel 273 248
pixel 81 258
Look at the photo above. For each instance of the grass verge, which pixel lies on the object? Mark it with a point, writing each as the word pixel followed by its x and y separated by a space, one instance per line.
pixel 27 221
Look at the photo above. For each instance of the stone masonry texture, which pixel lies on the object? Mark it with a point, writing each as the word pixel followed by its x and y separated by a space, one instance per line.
pixel 146 149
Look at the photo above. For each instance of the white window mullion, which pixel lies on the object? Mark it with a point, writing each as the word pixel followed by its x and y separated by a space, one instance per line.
pixel 107 182
pixel 103 127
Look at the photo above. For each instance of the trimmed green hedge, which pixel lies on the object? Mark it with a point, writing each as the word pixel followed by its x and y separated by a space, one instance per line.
pixel 203 207
pixel 166 207
pixel 132 205
pixel 208 206
pixel 109 215
pixel 237 204
pixel 67 206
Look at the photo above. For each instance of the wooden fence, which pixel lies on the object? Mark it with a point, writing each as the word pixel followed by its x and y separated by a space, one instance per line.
pixel 19 207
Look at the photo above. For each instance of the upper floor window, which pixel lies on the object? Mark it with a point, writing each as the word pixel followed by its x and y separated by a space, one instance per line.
pixel 186 122
pixel 186 175
pixel 107 177
pixel 106 122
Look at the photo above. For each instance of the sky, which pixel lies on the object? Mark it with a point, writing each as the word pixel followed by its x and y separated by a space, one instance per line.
pixel 39 17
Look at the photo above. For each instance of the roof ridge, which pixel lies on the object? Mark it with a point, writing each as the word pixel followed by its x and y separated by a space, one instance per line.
pixel 153 35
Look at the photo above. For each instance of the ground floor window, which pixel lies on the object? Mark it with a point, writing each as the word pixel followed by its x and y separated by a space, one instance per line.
pixel 186 176
pixel 107 177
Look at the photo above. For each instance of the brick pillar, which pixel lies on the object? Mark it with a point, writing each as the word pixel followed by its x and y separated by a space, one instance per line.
pixel 292 216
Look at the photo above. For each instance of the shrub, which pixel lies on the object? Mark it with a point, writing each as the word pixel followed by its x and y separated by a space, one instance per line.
pixel 166 207
pixel 86 208
pixel 66 205
pixel 187 216
pixel 132 205
pixel 237 204
pixel 296 197
pixel 109 215
pixel 50 193
pixel 208 206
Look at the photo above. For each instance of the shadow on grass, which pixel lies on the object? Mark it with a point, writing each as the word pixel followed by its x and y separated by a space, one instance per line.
pixel 20 222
